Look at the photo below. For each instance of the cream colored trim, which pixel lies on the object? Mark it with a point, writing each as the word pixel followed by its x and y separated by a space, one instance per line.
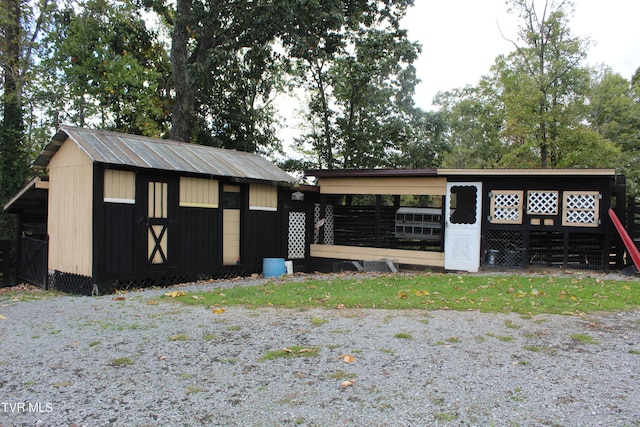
pixel 419 186
pixel 44 185
pixel 263 197
pixel 199 192
pixel 355 253
pixel 117 200
pixel 263 208
pixel 199 205
pixel 527 172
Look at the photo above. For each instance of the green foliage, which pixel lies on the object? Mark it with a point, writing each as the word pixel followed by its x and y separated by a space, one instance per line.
pixel 540 107
pixel 357 68
pixel 107 68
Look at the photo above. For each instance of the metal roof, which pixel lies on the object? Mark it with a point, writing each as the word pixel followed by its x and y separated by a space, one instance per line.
pixel 118 149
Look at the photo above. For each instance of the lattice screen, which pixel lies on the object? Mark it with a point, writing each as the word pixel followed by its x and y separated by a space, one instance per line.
pixel 296 247
pixel 542 202
pixel 506 207
pixel 327 224
pixel 581 209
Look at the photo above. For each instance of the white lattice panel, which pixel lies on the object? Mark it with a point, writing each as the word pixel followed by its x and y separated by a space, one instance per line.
pixel 542 202
pixel 506 214
pixel 296 246
pixel 323 223
pixel 328 225
pixel 506 207
pixel 581 209
pixel 316 218
pixel 507 199
pixel 581 201
pixel 581 217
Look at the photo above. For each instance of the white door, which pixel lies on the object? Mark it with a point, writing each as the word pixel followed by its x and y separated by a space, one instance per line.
pixel 462 226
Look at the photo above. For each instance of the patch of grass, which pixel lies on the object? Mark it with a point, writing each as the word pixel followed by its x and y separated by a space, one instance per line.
pixel 94 343
pixel 388 351
pixel 291 352
pixel 446 416
pixel 192 389
pixel 584 339
pixel 179 337
pixel 317 321
pixel 521 294
pixel 532 348
pixel 62 384
pixel 122 361
pixel 342 375
pixel 505 338
pixel 509 324
pixel 403 336
pixel 634 351
pixel 210 337
pixel 453 340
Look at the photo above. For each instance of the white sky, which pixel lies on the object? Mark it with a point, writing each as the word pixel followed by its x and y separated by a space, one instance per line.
pixel 461 39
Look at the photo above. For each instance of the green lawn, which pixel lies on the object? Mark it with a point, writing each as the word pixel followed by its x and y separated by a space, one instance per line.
pixel 523 294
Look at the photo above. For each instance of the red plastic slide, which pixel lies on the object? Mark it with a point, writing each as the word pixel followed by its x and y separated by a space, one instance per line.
pixel 628 242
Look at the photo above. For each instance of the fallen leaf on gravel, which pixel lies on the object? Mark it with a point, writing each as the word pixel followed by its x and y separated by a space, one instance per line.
pixel 119 298
pixel 175 294
pixel 348 383
pixel 347 358
pixel 161 357
pixel 2 317
pixel 218 310
pixel 152 302
pixel 306 350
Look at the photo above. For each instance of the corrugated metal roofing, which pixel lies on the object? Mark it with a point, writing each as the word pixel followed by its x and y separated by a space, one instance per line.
pixel 115 148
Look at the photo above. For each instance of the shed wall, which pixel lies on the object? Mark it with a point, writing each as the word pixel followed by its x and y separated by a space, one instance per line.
pixel 70 211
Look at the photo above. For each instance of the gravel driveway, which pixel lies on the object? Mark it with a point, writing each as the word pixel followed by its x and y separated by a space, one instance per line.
pixel 137 360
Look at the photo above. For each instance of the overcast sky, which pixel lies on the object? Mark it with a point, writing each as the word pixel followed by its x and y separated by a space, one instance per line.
pixel 461 39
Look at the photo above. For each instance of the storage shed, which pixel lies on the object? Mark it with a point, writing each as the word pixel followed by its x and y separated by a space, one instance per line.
pixel 465 219
pixel 125 210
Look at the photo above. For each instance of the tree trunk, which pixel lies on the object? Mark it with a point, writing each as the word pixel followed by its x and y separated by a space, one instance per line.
pixel 12 162
pixel 182 118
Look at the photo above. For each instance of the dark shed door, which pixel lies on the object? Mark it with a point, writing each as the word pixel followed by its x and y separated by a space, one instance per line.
pixel 158 219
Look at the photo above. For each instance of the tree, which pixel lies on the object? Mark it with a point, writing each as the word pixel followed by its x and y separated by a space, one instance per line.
pixel 358 71
pixel 614 113
pixel 474 120
pixel 531 110
pixel 543 81
pixel 222 65
pixel 20 26
pixel 106 69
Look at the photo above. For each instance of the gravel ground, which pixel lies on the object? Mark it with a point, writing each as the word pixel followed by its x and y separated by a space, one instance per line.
pixel 132 360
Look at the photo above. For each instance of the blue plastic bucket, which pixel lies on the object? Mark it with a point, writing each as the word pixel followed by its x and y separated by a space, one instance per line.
pixel 273 267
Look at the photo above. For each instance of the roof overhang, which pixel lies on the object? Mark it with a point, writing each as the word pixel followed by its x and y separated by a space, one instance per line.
pixel 32 197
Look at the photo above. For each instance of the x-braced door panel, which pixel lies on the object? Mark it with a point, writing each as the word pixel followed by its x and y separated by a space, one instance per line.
pixel 157 222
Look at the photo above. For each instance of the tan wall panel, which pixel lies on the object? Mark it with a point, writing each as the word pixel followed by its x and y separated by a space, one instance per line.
pixel 431 259
pixel 230 236
pixel 435 186
pixel 70 218
pixel 263 197
pixel 199 192
pixel 119 185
